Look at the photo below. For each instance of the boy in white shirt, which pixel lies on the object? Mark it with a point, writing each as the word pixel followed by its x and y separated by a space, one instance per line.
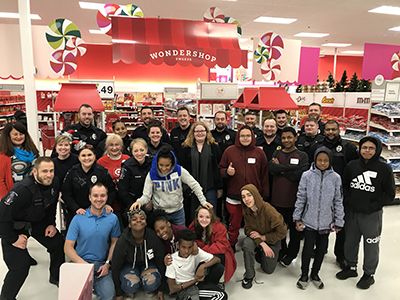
pixel 185 280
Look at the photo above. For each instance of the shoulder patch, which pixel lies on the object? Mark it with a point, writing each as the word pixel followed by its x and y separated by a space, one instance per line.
pixel 10 198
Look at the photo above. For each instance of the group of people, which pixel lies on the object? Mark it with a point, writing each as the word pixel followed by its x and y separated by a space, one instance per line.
pixel 164 211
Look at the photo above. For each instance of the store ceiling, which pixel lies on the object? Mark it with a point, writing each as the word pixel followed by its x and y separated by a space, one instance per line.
pixel 346 21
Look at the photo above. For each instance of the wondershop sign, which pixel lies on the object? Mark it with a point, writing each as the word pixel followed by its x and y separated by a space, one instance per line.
pixel 173 41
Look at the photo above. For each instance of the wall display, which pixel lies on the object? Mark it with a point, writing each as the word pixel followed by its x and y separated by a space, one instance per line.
pixel 206 109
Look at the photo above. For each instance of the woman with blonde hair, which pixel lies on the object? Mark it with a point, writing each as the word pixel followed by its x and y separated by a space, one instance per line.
pixel 200 155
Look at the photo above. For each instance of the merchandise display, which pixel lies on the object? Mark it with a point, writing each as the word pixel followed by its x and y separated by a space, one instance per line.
pixel 9 104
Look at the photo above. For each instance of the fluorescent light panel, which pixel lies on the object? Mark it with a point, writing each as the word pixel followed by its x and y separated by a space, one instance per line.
pixel 353 52
pixel 9 15
pixel 395 28
pixel 275 20
pixel 122 41
pixel 242 40
pixel 310 34
pixel 96 31
pixel 91 5
pixel 388 10
pixel 336 45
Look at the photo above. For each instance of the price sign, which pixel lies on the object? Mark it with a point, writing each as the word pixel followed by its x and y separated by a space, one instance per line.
pixel 106 89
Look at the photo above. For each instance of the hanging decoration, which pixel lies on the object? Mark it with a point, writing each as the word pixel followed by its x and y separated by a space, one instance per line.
pixel 63 62
pixel 234 21
pixel 60 31
pixel 214 14
pixel 395 61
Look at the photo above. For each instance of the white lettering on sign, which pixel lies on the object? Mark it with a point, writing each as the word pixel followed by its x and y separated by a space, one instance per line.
pixel 183 55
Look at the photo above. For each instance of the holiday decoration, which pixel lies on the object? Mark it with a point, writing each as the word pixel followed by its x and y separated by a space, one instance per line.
pixel 63 62
pixel 130 10
pixel 231 20
pixel 261 54
pixel 395 61
pixel 104 19
pixel 214 14
pixel 76 46
pixel 273 43
pixel 60 31
pixel 270 69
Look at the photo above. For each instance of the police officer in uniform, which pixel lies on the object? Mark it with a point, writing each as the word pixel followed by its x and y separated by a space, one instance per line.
pixel 29 209
pixel 223 135
pixel 309 137
pixel 250 120
pixel 315 111
pixel 178 134
pixel 84 132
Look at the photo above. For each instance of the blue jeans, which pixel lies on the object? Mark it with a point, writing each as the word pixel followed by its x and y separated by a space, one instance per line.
pixel 177 218
pixel 133 278
pixel 211 196
pixel 103 286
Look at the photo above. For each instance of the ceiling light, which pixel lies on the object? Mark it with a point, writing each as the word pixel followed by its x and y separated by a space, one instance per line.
pixel 91 5
pixel 275 20
pixel 353 52
pixel 395 28
pixel 310 34
pixel 242 40
pixel 9 15
pixel 96 31
pixel 336 45
pixel 389 10
pixel 123 41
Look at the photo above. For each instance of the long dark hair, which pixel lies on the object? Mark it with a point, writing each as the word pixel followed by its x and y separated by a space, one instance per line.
pixel 165 153
pixel 198 229
pixel 7 147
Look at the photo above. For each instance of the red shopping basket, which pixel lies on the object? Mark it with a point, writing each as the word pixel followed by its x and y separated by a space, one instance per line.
pixel 48 136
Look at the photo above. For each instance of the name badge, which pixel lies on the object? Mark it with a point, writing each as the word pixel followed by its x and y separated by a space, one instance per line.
pixel 251 160
pixel 294 161
pixel 138 176
pixel 174 175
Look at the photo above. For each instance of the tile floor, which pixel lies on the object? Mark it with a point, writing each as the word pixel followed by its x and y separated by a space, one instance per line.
pixel 279 285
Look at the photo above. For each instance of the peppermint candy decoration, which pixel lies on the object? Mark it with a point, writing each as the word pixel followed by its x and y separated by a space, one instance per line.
pixel 214 15
pixel 76 46
pixel 270 70
pixel 60 31
pixel 104 19
pixel 395 61
pixel 63 62
pixel 273 43
pixel 231 20
pixel 130 10
pixel 261 54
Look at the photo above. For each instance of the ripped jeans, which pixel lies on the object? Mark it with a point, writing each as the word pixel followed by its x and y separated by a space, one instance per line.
pixel 133 278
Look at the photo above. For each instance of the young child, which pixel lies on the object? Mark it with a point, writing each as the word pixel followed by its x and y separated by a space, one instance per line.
pixel 190 279
pixel 318 210
pixel 163 186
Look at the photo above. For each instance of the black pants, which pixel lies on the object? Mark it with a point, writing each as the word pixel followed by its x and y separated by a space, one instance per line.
pixel 18 262
pixel 213 273
pixel 295 236
pixel 320 241
pixel 339 244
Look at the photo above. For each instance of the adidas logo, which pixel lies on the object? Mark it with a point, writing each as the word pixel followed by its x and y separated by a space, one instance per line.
pixel 363 182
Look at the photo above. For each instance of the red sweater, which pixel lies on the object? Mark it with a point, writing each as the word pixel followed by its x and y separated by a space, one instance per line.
pixel 6 180
pixel 219 244
pixel 251 166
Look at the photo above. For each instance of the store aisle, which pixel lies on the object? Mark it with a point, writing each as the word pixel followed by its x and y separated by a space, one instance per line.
pixel 279 285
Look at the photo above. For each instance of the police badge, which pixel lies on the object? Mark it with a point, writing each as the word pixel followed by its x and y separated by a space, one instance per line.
pixel 339 148
pixel 227 137
pixel 93 179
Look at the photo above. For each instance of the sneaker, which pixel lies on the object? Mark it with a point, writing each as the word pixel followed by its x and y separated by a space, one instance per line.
pixel 317 282
pixel 302 283
pixel 347 273
pixel 341 262
pixel 221 285
pixel 286 261
pixel 54 281
pixel 258 253
pixel 247 283
pixel 365 282
pixel 149 294
pixel 128 296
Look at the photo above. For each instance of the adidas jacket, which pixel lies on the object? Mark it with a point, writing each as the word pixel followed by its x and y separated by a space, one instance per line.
pixel 368 186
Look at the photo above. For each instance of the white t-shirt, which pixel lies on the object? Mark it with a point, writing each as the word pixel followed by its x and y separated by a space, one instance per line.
pixel 184 269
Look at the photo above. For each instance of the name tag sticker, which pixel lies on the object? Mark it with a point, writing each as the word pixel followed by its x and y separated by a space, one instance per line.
pixel 294 161
pixel 174 175
pixel 251 160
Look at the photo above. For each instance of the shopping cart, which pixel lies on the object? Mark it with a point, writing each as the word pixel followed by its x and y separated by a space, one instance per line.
pixel 48 136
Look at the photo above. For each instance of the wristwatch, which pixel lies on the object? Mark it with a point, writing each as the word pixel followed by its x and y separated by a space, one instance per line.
pixel 108 262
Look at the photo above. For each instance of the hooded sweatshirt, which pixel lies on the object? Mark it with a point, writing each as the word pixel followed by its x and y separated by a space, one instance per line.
pixel 128 252
pixel 319 201
pixel 165 190
pixel 251 166
pixel 368 186
pixel 268 222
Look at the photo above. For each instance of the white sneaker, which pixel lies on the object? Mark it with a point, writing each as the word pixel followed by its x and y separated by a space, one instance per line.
pixel 149 294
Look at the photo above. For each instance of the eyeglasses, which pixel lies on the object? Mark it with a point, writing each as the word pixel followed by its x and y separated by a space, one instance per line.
pixel 245 136
pixel 368 148
pixel 199 131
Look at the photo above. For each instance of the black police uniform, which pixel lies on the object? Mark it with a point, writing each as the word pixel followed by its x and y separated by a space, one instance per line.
pixel 90 135
pixel 224 138
pixel 75 188
pixel 177 137
pixel 270 148
pixel 141 132
pixel 258 133
pixel 321 128
pixel 28 208
pixel 305 142
pixel 131 180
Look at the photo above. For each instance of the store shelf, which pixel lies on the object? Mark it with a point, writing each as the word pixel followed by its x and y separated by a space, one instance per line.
pixel 391 144
pixel 386 154
pixel 6 116
pixel 350 139
pixel 14 103
pixel 356 129
pixel 376 112
pixel 45 112
pixel 43 121
pixel 378 126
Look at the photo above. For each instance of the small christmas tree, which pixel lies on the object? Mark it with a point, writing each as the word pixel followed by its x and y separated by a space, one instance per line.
pixel 338 88
pixel 364 86
pixel 331 81
pixel 343 82
pixel 353 85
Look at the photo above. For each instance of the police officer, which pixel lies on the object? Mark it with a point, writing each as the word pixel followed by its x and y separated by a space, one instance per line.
pixel 281 121
pixel 223 135
pixel 84 132
pixel 250 120
pixel 29 209
pixel 314 111
pixel 309 137
pixel 178 134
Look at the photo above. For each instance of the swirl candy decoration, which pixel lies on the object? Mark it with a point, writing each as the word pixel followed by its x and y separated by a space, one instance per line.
pixel 104 19
pixel 63 62
pixel 234 21
pixel 273 43
pixel 60 31
pixel 261 54
pixel 270 70
pixel 395 61
pixel 76 46
pixel 214 14
pixel 130 10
